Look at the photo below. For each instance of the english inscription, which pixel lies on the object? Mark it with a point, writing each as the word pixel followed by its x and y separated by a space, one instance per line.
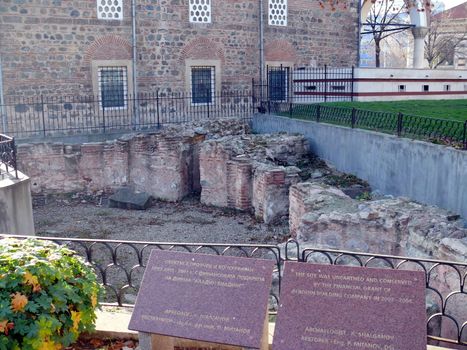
pixel 326 307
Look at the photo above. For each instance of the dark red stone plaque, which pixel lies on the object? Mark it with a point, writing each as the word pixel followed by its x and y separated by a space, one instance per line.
pixel 325 307
pixel 202 297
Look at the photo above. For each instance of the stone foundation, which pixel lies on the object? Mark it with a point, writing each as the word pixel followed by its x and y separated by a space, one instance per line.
pixel 323 216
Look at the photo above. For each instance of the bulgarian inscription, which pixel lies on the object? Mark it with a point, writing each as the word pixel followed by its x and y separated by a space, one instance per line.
pixel 204 297
pixel 352 308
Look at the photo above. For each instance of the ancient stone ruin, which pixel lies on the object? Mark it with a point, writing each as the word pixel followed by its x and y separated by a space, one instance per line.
pixel 268 175
pixel 251 172
pixel 324 216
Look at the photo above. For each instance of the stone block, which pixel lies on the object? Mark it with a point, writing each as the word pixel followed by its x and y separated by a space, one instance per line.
pixel 128 198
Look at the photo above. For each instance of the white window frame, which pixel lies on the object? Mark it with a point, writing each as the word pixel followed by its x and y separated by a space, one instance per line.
pixel 100 9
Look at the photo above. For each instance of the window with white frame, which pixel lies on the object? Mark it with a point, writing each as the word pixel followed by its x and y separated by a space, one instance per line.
pixel 109 9
pixel 113 87
pixel 278 13
pixel 200 11
pixel 203 84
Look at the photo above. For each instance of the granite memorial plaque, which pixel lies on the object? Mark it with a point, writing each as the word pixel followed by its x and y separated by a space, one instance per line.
pixel 202 297
pixel 324 307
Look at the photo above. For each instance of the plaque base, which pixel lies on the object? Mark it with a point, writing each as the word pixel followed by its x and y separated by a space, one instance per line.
pixel 148 341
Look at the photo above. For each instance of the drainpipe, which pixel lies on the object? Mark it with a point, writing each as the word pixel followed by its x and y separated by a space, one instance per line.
pixel 134 71
pixel 261 49
pixel 359 36
pixel 2 101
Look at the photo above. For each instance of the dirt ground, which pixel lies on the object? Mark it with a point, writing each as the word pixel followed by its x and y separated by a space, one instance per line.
pixel 84 216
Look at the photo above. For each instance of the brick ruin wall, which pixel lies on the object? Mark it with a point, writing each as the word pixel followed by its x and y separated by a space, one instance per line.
pixel 258 173
pixel 244 173
pixel 48 47
pixel 164 163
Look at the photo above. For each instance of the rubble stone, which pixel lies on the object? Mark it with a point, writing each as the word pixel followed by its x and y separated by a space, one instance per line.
pixel 325 217
pixel 128 198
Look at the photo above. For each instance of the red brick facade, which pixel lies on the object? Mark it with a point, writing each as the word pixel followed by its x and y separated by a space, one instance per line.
pixel 48 47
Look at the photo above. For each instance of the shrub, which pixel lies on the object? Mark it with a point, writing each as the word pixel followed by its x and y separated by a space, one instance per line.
pixel 48 295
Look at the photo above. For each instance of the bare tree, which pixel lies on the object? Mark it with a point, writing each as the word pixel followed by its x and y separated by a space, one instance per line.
pixel 385 19
pixel 442 40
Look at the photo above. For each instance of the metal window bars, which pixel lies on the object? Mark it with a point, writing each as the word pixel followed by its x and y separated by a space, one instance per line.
pixel 203 84
pixel 113 87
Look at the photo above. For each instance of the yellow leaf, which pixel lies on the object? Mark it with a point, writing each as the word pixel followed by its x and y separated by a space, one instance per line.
pixel 32 280
pixel 76 317
pixel 49 345
pixel 93 300
pixel 18 302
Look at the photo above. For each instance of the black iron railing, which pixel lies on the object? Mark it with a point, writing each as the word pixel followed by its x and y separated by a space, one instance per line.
pixel 71 115
pixel 8 155
pixel 120 266
pixel 443 131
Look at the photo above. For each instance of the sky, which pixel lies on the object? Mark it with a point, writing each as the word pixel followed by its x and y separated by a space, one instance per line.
pixel 452 3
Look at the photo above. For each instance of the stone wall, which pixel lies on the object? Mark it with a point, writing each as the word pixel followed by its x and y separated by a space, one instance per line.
pixel 252 172
pixel 49 47
pixel 323 216
pixel 163 163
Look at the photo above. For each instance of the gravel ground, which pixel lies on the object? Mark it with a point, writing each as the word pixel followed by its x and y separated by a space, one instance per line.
pixel 81 216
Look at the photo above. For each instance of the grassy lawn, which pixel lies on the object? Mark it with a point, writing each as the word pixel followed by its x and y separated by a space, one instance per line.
pixel 440 121
pixel 442 109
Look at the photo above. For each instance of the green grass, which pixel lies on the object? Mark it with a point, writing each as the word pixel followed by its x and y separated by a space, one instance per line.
pixel 440 121
pixel 441 109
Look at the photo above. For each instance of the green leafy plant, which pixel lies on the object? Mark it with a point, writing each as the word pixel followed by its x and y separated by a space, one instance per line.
pixel 365 196
pixel 48 295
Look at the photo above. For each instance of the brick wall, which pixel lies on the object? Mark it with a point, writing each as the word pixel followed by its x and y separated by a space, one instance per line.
pixel 151 163
pixel 165 163
pixel 47 47
pixel 243 173
pixel 271 192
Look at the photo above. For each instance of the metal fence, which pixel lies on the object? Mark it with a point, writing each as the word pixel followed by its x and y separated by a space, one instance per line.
pixel 70 115
pixel 444 131
pixel 120 266
pixel 8 155
pixel 308 85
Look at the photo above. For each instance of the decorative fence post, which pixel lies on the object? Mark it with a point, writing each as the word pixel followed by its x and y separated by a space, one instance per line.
pixel 325 83
pixel 15 165
pixel 43 114
pixel 318 113
pixel 157 109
